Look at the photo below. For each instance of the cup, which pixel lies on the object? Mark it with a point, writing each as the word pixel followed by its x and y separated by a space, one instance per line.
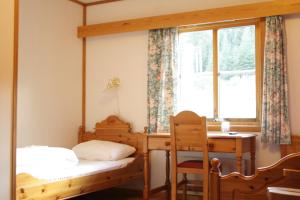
pixel 225 126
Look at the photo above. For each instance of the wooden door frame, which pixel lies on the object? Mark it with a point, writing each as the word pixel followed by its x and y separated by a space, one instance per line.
pixel 14 100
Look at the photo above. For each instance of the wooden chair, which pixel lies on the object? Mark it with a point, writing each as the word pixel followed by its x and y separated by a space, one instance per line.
pixel 287 149
pixel 188 133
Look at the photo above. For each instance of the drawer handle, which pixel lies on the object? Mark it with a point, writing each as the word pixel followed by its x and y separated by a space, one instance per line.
pixel 167 143
pixel 211 145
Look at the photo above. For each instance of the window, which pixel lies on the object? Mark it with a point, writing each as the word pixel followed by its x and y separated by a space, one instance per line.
pixel 219 71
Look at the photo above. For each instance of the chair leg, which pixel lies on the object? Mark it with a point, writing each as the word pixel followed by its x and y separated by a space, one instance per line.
pixel 205 187
pixel 184 191
pixel 174 188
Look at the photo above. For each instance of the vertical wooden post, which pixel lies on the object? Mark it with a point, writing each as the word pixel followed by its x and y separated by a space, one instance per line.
pixel 215 74
pixel 15 100
pixel 184 190
pixel 167 182
pixel 239 155
pixel 84 13
pixel 146 168
pixel 214 184
pixel 252 154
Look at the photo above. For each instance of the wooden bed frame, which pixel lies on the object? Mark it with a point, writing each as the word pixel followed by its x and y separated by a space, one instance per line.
pixel 238 187
pixel 111 129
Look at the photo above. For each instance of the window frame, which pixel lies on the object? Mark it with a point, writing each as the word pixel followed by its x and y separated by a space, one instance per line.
pixel 237 124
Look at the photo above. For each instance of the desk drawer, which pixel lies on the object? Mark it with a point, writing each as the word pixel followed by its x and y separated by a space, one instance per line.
pixel 221 145
pixel 214 144
pixel 159 144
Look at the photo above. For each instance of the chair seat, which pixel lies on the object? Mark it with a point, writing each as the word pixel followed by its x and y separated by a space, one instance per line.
pixel 191 164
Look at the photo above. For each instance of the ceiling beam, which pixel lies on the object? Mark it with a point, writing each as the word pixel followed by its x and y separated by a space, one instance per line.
pixel 246 11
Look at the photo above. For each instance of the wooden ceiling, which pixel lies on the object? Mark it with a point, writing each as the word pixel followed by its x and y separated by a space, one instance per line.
pixel 92 2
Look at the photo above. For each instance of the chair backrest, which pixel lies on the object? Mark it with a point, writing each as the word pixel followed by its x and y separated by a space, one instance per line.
pixel 287 149
pixel 188 133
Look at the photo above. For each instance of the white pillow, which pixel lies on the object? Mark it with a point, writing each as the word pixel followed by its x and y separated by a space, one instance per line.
pixel 46 156
pixel 102 150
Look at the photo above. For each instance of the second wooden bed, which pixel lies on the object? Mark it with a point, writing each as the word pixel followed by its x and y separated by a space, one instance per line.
pixel 236 186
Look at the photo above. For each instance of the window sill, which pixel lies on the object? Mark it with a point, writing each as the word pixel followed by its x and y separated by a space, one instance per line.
pixel 251 127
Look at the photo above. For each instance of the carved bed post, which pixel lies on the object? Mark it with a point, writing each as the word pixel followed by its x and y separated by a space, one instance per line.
pixel 147 178
pixel 214 193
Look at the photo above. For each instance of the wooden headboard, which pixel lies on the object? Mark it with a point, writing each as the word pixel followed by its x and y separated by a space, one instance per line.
pixel 113 129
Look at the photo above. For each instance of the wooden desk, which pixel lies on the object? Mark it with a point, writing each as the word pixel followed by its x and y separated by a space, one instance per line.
pixel 217 142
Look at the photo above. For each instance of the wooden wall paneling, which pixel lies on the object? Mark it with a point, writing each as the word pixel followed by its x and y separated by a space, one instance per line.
pixel 254 10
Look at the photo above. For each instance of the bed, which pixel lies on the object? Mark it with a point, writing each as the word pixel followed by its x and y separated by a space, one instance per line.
pixel 87 181
pixel 235 186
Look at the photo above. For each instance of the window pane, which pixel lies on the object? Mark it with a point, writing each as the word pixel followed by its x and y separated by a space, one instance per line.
pixel 237 83
pixel 195 86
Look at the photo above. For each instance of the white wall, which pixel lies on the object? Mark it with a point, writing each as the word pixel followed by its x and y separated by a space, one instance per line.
pixel 113 56
pixel 50 57
pixel 131 9
pixel 293 44
pixel 6 81
pixel 125 56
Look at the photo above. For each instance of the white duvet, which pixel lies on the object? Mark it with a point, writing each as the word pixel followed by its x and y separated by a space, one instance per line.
pixel 54 163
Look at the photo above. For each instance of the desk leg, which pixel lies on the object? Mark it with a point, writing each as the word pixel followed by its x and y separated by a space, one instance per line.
pixel 239 155
pixel 252 155
pixel 146 176
pixel 239 160
pixel 167 182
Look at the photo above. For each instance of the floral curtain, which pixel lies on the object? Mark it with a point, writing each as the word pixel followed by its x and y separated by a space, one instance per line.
pixel 161 64
pixel 275 115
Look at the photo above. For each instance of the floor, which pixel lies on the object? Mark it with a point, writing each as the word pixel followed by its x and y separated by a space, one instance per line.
pixel 112 194
pixel 121 194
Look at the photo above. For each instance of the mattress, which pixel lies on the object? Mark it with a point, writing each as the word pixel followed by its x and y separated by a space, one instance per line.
pixel 83 168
